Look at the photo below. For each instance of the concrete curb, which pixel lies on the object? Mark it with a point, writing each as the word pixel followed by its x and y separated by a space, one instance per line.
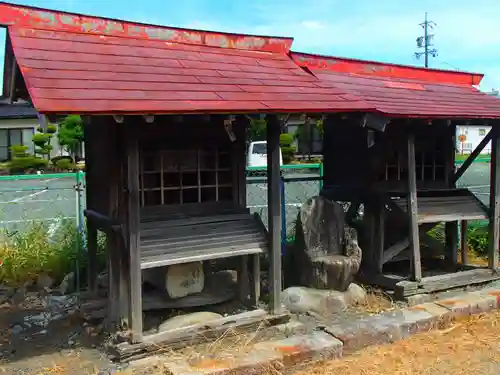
pixel 340 339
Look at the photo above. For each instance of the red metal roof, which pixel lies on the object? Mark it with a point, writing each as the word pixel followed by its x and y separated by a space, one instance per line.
pixel 80 64
pixel 404 91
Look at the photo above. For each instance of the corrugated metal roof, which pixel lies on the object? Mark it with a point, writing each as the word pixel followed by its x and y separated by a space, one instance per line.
pixel 80 64
pixel 404 91
pixel 17 111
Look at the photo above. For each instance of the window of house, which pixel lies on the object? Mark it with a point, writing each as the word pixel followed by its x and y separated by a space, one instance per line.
pixel 12 137
pixel 185 176
pixel 482 132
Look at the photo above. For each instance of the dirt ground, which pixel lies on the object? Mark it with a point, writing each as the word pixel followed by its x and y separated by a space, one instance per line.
pixel 471 346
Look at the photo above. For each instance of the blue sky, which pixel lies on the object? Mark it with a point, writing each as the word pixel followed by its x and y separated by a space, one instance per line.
pixel 467 33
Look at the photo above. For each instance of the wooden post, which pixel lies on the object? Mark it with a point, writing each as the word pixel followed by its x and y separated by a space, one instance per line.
pixel 133 203
pixel 92 256
pixel 274 212
pixel 463 241
pixel 413 210
pixel 379 238
pixel 494 225
pixel 451 228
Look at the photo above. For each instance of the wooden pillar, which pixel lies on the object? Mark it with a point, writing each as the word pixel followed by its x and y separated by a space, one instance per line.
pixel 413 210
pixel 274 212
pixel 379 238
pixel 494 225
pixel 133 203
pixel 451 228
pixel 463 241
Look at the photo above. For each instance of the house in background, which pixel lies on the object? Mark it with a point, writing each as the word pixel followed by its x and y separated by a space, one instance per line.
pixel 469 136
pixel 308 141
pixel 18 124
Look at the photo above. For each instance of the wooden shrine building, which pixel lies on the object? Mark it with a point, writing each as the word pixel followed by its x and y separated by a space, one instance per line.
pixel 165 113
pixel 401 168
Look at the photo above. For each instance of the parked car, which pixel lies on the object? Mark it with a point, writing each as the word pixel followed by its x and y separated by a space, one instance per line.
pixel 257 154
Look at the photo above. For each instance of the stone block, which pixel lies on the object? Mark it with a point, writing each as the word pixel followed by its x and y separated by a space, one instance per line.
pixel 303 350
pixel 264 357
pixel 418 299
pixel 363 332
pixel 470 303
pixel 443 316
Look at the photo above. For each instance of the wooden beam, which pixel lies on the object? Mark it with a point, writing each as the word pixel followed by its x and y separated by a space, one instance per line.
pixel 133 205
pixel 12 83
pixel 470 159
pixel 274 212
pixel 494 224
pixel 413 210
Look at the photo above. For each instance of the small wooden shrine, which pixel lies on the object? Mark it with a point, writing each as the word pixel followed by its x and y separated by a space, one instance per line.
pixel 399 167
pixel 166 112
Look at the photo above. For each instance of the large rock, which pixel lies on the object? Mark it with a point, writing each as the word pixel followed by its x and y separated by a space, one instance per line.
pixel 326 254
pixel 179 280
pixel 301 300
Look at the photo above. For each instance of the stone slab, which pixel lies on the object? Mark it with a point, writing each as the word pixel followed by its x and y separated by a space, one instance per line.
pixel 471 303
pixel 389 326
pixel 264 357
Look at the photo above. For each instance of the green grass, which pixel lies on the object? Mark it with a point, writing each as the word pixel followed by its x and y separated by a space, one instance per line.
pixel 484 158
pixel 26 254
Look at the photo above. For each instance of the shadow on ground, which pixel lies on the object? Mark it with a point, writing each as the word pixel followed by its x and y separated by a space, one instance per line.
pixel 47 334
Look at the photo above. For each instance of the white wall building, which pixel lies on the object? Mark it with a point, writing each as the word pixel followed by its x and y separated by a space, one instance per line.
pixel 468 137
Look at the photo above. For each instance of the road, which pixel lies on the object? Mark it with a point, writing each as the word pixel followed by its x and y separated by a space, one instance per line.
pixel 51 199
pixel 469 347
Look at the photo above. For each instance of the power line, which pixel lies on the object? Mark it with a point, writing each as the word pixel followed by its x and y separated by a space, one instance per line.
pixel 425 41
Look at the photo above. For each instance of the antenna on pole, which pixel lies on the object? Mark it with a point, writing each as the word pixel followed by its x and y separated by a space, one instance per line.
pixel 425 41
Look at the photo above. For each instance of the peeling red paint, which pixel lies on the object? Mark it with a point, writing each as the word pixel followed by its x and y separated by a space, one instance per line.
pixel 27 17
pixel 379 69
pixel 404 85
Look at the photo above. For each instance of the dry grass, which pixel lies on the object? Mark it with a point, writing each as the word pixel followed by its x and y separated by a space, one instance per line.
pixel 469 347
pixel 376 301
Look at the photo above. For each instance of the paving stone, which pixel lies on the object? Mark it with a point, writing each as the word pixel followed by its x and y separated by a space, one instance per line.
pixel 411 321
pixel 418 299
pixel 470 303
pixel 443 316
pixel 264 357
pixel 363 332
pixel 303 350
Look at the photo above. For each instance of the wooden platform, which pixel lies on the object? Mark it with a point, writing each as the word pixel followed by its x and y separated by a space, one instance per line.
pixel 402 287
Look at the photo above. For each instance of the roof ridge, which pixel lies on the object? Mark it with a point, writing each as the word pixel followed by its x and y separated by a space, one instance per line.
pixel 13 15
pixel 324 62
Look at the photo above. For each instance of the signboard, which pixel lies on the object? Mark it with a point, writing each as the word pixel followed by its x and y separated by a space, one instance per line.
pixel 462 138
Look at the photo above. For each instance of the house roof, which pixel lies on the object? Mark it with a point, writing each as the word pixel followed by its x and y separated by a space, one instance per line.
pixel 80 64
pixel 404 91
pixel 17 111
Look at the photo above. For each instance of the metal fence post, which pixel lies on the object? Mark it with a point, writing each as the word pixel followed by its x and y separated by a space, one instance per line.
pixel 80 236
pixel 321 176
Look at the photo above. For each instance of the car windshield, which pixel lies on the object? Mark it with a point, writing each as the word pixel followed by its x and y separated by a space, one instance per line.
pixel 259 148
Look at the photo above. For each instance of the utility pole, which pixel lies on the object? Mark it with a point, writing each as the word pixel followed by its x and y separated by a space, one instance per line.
pixel 425 41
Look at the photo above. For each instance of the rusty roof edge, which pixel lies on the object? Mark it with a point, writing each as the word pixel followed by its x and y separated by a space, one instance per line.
pixel 112 28
pixel 314 55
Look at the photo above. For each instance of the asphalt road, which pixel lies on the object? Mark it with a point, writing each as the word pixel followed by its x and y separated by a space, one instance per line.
pixel 54 199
